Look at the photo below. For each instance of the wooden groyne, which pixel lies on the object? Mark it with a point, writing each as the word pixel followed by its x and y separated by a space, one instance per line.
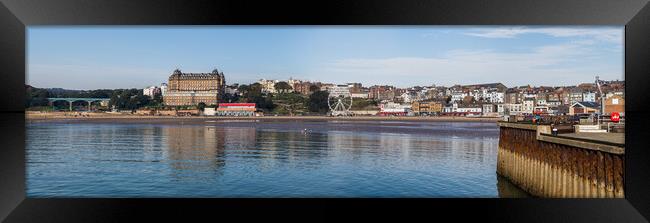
pixel 560 166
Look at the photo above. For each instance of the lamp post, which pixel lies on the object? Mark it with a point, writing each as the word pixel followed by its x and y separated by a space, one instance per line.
pixel 602 99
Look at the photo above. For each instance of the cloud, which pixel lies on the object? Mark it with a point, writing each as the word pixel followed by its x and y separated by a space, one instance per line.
pixel 562 64
pixel 613 35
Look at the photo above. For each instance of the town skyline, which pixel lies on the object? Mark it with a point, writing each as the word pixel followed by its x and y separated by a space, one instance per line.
pixel 85 58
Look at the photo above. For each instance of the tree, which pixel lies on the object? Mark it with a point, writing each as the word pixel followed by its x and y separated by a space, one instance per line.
pixel 318 102
pixel 243 89
pixel 282 87
pixel 129 99
pixel 201 106
pixel 230 97
pixel 468 100
pixel 290 103
pixel 254 90
pixel 36 97
pixel 363 104
pixel 157 99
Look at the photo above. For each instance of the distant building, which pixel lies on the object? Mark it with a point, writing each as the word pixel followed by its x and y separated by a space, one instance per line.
pixel 363 95
pixel 103 103
pixel 449 108
pixel 355 87
pixel 575 95
pixel 509 109
pixel 209 111
pixel 236 109
pixel 163 89
pixel 430 107
pixel 470 109
pixel 306 87
pixel 380 93
pixel 615 103
pixel 339 90
pixel 589 96
pixel 512 96
pixel 393 109
pixel 194 88
pixel 583 107
pixel 528 105
pixel 268 86
pixel 408 97
pixel 489 110
pixel 326 86
pixel 151 91
pixel 553 103
pixel 292 82
pixel 231 90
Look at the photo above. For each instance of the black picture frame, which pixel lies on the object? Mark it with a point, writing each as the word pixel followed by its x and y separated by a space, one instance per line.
pixel 15 15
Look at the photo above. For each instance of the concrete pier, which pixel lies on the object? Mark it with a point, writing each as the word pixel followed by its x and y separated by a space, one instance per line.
pixel 584 165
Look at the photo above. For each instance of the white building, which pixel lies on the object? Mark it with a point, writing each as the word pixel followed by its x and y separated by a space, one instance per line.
pixel 163 89
pixel 457 96
pixel 450 108
pixel 408 97
pixel 528 105
pixel 292 82
pixel 489 110
pixel 209 111
pixel 495 97
pixel 268 86
pixel 339 90
pixel 231 90
pixel 553 103
pixel 612 93
pixel 472 109
pixel 151 91
pixel 575 97
pixel 509 109
pixel 359 95
pixel 392 107
pixel 589 96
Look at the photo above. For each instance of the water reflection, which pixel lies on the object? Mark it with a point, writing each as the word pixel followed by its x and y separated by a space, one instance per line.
pixel 265 159
pixel 193 150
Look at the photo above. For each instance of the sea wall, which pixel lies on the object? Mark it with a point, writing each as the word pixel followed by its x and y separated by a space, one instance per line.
pixel 559 167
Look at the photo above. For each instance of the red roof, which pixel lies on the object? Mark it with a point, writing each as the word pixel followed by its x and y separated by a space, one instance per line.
pixel 236 104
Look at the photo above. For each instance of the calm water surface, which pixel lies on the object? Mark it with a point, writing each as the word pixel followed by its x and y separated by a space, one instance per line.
pixel 265 159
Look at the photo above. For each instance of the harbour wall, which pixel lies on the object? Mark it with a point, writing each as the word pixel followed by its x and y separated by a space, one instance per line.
pixel 551 166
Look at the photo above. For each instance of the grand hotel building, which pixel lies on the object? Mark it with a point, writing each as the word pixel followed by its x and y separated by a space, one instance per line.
pixel 194 88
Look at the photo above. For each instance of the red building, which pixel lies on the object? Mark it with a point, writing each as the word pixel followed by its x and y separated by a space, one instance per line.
pixel 236 109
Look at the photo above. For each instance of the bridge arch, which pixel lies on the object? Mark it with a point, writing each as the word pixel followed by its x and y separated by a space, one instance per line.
pixel 72 100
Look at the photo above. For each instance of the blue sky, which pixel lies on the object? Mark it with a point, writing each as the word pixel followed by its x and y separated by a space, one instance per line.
pixel 93 57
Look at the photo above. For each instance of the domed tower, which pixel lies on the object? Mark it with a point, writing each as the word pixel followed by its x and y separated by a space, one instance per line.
pixel 177 72
pixel 223 80
pixel 173 82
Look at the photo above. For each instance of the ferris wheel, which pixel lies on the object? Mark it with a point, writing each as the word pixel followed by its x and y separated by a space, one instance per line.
pixel 340 104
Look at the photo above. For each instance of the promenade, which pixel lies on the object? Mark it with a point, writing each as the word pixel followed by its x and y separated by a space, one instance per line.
pixel 131 118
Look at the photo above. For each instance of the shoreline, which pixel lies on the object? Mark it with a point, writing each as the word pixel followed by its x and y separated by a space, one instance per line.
pixel 122 118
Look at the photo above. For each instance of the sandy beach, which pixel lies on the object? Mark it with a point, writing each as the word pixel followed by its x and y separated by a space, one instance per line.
pixel 128 118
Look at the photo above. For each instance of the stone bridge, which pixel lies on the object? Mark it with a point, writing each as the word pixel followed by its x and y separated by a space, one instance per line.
pixel 71 100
